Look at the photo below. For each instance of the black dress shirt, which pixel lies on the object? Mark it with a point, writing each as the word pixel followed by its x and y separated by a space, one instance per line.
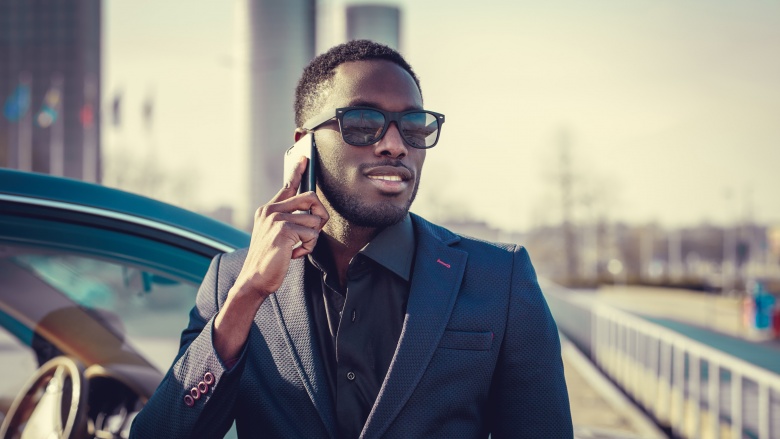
pixel 358 325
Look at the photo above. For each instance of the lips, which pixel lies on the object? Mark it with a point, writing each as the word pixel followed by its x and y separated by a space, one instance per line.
pixel 390 180
pixel 389 173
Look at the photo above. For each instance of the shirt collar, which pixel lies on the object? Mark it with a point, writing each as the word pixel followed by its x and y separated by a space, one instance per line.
pixel 393 248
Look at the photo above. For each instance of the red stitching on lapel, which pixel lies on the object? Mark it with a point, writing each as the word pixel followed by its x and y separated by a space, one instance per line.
pixel 443 263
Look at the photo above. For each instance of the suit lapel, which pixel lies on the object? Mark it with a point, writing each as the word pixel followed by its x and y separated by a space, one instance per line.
pixel 438 272
pixel 290 306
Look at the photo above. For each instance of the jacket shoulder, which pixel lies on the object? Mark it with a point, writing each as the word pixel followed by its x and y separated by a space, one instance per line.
pixel 225 269
pixel 463 242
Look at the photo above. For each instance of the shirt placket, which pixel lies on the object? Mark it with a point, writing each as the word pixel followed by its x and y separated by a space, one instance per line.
pixel 350 382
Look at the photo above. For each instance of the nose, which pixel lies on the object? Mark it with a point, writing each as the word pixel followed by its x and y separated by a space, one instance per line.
pixel 391 144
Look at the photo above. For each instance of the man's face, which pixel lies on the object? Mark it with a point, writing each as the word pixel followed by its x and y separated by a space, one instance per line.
pixel 370 186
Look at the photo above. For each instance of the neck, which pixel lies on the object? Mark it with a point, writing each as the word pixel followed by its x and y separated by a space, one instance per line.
pixel 344 241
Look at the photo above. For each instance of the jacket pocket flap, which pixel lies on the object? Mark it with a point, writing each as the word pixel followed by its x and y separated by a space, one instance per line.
pixel 472 341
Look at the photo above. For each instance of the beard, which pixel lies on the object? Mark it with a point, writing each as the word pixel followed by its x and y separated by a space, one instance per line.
pixel 356 211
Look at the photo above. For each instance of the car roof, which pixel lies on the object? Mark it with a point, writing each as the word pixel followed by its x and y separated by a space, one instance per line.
pixel 75 192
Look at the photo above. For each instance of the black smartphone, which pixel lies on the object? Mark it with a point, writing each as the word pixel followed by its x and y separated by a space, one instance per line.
pixel 303 147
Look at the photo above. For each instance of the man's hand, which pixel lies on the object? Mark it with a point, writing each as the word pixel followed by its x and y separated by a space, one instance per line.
pixel 277 232
pixel 278 235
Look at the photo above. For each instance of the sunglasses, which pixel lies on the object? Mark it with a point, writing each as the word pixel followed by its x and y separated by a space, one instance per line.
pixel 363 126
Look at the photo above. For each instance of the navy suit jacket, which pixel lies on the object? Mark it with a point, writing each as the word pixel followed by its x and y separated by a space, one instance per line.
pixel 479 354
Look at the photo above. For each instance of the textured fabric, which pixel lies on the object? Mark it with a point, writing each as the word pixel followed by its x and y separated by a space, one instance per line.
pixel 448 378
pixel 358 347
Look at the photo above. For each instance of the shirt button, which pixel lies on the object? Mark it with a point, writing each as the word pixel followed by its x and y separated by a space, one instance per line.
pixel 351 375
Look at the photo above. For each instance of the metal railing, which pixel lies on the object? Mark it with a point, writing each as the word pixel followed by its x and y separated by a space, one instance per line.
pixel 688 386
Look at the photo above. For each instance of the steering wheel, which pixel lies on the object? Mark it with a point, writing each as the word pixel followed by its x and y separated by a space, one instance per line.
pixel 53 403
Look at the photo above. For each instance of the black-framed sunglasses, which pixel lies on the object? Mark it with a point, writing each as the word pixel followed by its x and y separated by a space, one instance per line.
pixel 363 126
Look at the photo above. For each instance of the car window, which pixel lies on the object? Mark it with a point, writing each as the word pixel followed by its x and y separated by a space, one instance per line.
pixel 55 301
pixel 145 309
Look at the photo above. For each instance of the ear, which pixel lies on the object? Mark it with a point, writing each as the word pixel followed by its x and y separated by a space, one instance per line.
pixel 299 132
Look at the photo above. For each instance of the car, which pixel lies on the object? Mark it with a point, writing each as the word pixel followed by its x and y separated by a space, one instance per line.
pixel 95 287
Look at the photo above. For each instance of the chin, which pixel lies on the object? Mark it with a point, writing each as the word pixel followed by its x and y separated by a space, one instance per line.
pixel 376 216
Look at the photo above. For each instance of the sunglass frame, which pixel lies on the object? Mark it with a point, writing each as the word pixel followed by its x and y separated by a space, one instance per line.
pixel 390 116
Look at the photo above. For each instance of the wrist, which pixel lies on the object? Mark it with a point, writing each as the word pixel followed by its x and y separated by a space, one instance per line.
pixel 234 320
pixel 248 290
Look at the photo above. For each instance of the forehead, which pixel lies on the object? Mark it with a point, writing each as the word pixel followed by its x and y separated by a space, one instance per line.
pixel 380 83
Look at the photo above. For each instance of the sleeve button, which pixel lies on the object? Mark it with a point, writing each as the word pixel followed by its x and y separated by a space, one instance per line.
pixel 203 388
pixel 188 401
pixel 351 375
pixel 208 378
pixel 195 393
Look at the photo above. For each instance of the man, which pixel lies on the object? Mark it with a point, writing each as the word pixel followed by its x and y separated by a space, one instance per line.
pixel 356 318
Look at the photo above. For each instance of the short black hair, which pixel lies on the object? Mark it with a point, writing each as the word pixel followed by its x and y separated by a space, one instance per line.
pixel 320 72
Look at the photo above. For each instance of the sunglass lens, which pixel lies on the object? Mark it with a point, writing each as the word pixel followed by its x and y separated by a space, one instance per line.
pixel 420 129
pixel 362 126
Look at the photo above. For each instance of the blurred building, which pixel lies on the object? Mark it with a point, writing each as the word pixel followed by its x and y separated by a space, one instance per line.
pixel 378 23
pixel 50 86
pixel 276 39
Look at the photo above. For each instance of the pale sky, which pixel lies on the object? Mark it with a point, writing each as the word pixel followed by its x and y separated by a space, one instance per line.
pixel 672 107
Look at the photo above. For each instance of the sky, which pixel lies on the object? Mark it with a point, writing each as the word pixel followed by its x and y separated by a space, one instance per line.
pixel 671 108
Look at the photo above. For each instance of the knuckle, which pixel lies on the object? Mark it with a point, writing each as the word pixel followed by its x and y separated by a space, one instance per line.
pixel 274 216
pixel 286 228
pixel 263 210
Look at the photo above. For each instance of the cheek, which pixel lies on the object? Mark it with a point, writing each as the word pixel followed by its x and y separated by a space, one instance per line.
pixel 333 159
pixel 419 159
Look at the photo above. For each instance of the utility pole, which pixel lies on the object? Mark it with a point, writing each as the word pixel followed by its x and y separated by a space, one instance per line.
pixel 729 242
pixel 675 255
pixel 569 243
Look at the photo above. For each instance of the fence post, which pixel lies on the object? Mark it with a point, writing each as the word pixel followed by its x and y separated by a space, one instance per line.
pixel 694 387
pixel 713 382
pixel 736 404
pixel 764 406
pixel 678 421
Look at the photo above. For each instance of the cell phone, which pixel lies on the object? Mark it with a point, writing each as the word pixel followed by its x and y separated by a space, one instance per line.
pixel 303 147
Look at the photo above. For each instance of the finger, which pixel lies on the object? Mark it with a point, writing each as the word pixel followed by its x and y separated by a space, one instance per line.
pixel 293 181
pixel 318 209
pixel 293 234
pixel 301 219
pixel 308 201
pixel 303 250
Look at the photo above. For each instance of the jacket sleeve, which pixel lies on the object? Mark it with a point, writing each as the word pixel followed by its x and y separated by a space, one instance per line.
pixel 529 398
pixel 180 408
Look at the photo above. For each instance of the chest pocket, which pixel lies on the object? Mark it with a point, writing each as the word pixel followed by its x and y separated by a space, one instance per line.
pixel 468 341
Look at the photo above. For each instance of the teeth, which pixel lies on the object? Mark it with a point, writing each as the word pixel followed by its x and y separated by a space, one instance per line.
pixel 385 177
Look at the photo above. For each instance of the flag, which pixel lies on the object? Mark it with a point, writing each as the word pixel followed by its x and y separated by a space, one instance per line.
pixel 50 107
pixel 17 103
